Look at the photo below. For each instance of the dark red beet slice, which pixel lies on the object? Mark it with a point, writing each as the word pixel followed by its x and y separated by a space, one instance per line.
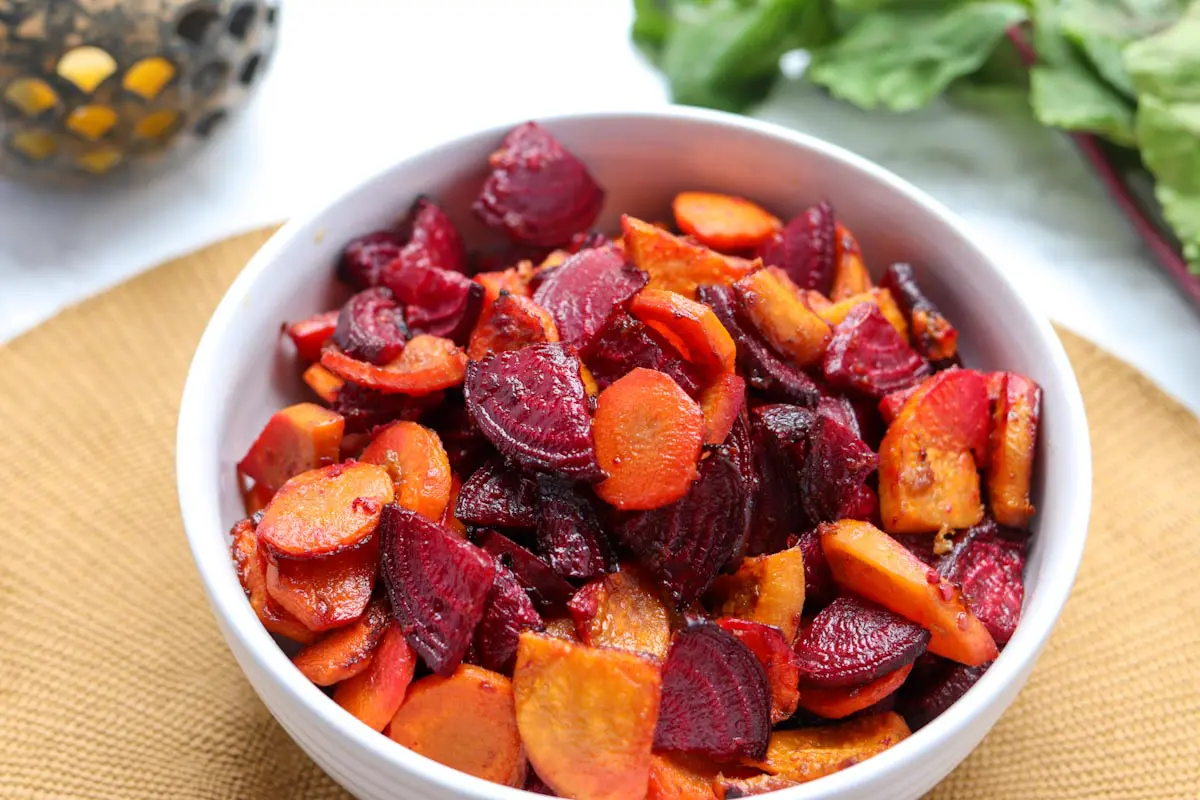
pixel 436 301
pixel 508 612
pixel 569 533
pixel 852 641
pixel 371 327
pixel 498 495
pixel 366 256
pixel 934 685
pixel 686 544
pixel 437 583
pixel 775 653
pixel 501 258
pixel 531 404
pixel 715 696
pixel 989 566
pixel 588 239
pixel 538 192
pixel 920 545
pixel 582 292
pixel 806 248
pixel 868 355
pixel 762 368
pixel 434 241
pixel 739 449
pixel 545 586
pixel 365 409
pixel 536 785
pixel 933 335
pixel 624 343
pixel 839 409
pixel 777 510
pixel 833 474
pixel 464 444
pixel 819 588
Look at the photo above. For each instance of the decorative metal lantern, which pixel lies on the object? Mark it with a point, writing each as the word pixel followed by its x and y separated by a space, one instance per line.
pixel 94 89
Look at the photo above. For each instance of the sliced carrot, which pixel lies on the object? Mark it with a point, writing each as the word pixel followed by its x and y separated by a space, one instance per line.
pixel 648 436
pixel 324 383
pixel 890 405
pixel 514 280
pixel 309 335
pixel 682 777
pixel 1013 439
pixel 721 402
pixel 417 463
pixel 512 322
pixel 345 652
pixel 251 572
pixel 701 337
pixel 783 319
pixel 766 589
pixel 295 439
pixel 327 592
pixel 842 702
pixel 805 754
pixel 836 312
pixel 448 520
pixel 850 276
pixel 722 221
pixel 326 510
pixel 868 562
pixel 466 721
pixel 587 716
pixel 676 264
pixel 428 363
pixel 625 610
pixel 589 381
pixel 375 694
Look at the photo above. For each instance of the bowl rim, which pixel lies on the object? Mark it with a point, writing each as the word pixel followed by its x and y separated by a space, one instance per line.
pixel 197 480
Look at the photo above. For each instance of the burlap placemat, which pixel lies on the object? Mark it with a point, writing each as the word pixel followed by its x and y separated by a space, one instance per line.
pixel 114 682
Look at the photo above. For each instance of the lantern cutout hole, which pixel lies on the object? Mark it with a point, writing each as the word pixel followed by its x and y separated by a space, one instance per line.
pixel 87 67
pixel 249 70
pixel 100 160
pixel 211 77
pixel 155 126
pixel 208 124
pixel 91 122
pixel 195 24
pixel 33 145
pixel 241 21
pixel 31 96
pixel 147 77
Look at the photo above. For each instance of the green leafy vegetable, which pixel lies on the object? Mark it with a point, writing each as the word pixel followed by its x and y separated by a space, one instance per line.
pixel 651 25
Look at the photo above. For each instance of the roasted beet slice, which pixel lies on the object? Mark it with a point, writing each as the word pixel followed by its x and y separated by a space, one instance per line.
pixel 435 241
pixel 686 544
pixel 839 409
pixel 625 343
pixel 568 531
pixel 867 355
pixel 806 248
pixel 439 302
pixel 989 566
pixel 364 258
pixel 498 495
pixel 834 473
pixel 585 240
pixel 465 446
pixel 852 641
pixel 366 409
pixel 371 327
pixel 545 586
pixel 934 685
pixel 715 696
pixel 532 405
pixel 508 612
pixel 538 192
pixel 819 588
pixel 438 585
pixel 778 658
pixel 934 336
pixel 582 292
pixel 763 369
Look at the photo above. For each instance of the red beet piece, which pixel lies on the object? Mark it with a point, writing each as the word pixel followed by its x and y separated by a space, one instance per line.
pixel 715 697
pixel 569 533
pixel 819 588
pixel 364 258
pixel 934 685
pixel 686 544
pixel 806 248
pixel 464 444
pixel 531 404
pixel 498 495
pixel 775 653
pixel 548 590
pixel 777 509
pixel 868 355
pixel 538 192
pixel 834 472
pixel 536 785
pixel 366 409
pixel 588 239
pixel 762 368
pixel 933 335
pixel 852 641
pixel 434 241
pixel 437 583
pixel 624 343
pixel 439 302
pixel 496 259
pixel 988 564
pixel 840 410
pixel 508 612
pixel 371 327
pixel 582 292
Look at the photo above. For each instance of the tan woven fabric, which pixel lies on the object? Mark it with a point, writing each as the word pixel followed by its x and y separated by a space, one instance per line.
pixel 114 682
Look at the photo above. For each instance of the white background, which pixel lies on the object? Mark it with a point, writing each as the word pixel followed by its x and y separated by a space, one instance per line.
pixel 357 84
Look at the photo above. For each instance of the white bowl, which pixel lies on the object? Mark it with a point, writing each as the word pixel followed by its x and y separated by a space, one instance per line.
pixel 238 379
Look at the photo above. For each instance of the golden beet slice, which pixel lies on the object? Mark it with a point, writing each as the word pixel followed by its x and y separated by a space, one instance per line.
pixel 428 364
pixel 415 459
pixel 251 571
pixel 836 312
pixel 345 652
pixel 648 435
pixel 625 610
pixel 296 439
pixel 766 589
pixel 868 562
pixel 809 753
pixel 693 327
pixel 783 318
pixel 587 716
pixel 327 592
pixel 850 276
pixel 721 402
pixel 838 703
pixel 682 777
pixel 676 264
pixel 325 510
pixel 324 383
pixel 375 694
pixel 1013 440
pixel 465 721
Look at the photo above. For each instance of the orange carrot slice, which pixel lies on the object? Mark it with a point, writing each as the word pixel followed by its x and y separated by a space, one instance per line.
pixel 324 383
pixel 850 276
pixel 1013 439
pixel 766 589
pixel 648 436
pixel 783 318
pixel 682 777
pixel 842 702
pixel 722 221
pixel 251 572
pixel 428 363
pixel 417 463
pixel 345 652
pixel 327 592
pixel 375 694
pixel 676 264
pixel 805 754
pixel 296 439
pixel 836 312
pixel 720 403
pixel 512 322
pixel 514 280
pixel 625 610
pixel 701 337
pixel 309 335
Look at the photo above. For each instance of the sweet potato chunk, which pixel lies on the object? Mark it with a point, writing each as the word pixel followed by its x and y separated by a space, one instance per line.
pixel 809 753
pixel 676 264
pixel 309 335
pixel 327 592
pixel 428 364
pixel 850 276
pixel 766 589
pixel 692 327
pixel 345 652
pixel 256 498
pixel 723 221
pixel 648 436
pixel 466 721
pixel 681 777
pixel 324 383
pixel 416 461
pixel 296 439
pixel 842 702
pixel 587 716
pixel 836 312
pixel 868 562
pixel 720 403
pixel 325 510
pixel 510 323
pixel 1013 439
pixel 783 319
pixel 624 610
pixel 375 694
pixel 251 572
